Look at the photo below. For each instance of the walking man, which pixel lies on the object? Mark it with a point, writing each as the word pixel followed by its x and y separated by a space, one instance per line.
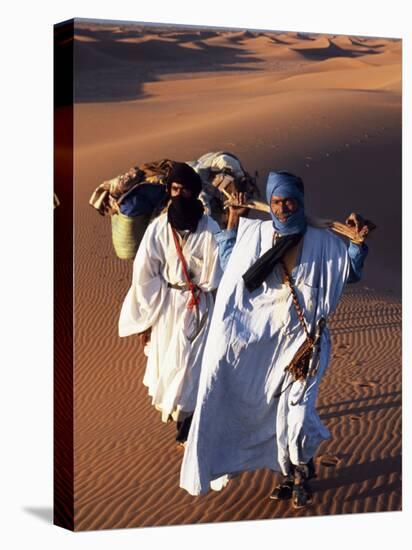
pixel 268 346
pixel 170 301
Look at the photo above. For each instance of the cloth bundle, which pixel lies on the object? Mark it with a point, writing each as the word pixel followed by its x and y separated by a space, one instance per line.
pixel 136 192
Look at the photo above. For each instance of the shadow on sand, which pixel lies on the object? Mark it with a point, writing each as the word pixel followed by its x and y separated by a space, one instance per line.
pixel 359 473
pixel 112 65
pixel 332 50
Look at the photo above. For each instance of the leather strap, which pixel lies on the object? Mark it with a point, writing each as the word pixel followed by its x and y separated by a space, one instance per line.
pixel 289 282
pixel 194 301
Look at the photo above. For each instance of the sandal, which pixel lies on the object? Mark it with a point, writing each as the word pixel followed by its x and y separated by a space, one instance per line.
pixel 301 492
pixel 283 491
pixel 301 495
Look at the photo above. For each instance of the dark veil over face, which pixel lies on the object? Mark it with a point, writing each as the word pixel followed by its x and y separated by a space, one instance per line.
pixel 185 212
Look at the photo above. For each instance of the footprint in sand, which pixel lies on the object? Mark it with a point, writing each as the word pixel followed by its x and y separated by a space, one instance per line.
pixel 363 384
pixel 330 461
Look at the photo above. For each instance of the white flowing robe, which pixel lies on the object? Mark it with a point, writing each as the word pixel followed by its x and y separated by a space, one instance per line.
pixel 239 424
pixel 173 366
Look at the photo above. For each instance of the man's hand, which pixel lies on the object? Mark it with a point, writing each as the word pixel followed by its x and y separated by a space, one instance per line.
pixel 235 212
pixel 359 226
pixel 144 337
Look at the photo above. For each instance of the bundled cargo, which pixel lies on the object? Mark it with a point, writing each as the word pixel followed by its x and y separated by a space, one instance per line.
pixel 131 200
pixel 223 176
pixel 137 196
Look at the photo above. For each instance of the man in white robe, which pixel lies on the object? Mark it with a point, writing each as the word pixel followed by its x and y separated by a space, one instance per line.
pixel 171 297
pixel 250 412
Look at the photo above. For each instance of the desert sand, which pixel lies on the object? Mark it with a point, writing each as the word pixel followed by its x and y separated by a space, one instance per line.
pixel 327 108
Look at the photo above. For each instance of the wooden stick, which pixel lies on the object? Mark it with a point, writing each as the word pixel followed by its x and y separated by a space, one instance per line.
pixel 337 227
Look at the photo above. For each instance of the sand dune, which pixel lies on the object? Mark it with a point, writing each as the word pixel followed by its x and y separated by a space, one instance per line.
pixel 153 56
pixel 191 36
pixel 288 37
pixel 332 48
pixel 367 78
pixel 320 42
pixel 390 56
pixel 334 119
pixel 375 42
pixel 348 43
pixel 149 39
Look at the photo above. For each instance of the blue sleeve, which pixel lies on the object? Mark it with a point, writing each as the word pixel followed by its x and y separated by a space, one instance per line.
pixel 357 254
pixel 226 241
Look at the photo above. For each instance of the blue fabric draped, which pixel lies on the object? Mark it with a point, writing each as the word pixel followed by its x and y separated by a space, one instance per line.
pixel 285 185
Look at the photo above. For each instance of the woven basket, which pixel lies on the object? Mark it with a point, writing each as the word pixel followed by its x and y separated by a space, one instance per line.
pixel 127 232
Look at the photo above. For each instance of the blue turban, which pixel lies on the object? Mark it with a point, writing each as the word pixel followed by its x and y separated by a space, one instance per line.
pixel 285 185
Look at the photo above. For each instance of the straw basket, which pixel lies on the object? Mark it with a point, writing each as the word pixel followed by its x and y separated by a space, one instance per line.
pixel 127 232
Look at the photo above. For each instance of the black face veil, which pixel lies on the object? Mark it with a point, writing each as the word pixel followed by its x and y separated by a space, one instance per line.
pixel 185 212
